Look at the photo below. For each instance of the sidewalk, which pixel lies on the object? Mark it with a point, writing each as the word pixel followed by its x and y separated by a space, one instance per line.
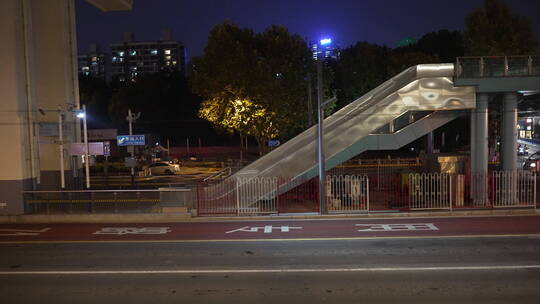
pixel 187 217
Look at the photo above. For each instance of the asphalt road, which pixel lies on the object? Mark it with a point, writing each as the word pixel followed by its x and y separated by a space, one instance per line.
pixel 400 269
pixel 475 270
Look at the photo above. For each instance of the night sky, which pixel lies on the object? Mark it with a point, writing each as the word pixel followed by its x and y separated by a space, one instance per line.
pixel 347 21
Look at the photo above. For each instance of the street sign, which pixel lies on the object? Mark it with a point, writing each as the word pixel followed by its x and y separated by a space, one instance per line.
pixel 130 162
pixel 273 143
pixel 94 148
pixel 107 148
pixel 130 140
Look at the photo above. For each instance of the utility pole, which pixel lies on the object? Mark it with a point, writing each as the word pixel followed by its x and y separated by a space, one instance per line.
pixel 86 149
pixel 131 118
pixel 61 148
pixel 309 104
pixel 320 135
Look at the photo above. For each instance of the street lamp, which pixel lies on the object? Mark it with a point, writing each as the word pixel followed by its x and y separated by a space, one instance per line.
pixel 320 134
pixel 81 114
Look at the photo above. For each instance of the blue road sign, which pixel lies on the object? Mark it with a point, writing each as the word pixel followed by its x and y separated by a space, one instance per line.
pixel 273 143
pixel 130 140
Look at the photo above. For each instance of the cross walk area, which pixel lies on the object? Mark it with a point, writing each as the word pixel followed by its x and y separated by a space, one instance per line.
pixel 274 230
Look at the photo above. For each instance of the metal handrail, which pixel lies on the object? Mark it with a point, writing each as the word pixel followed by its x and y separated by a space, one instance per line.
pixel 217 174
pixel 104 191
pixel 527 62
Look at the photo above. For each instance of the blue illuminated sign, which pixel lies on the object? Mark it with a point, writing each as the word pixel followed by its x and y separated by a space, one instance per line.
pixel 130 140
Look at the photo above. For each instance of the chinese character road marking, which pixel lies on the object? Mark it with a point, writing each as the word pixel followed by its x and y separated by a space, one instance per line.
pixel 266 229
pixel 17 232
pixel 133 230
pixel 398 227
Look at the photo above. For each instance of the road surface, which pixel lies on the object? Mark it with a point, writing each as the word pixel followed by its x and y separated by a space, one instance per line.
pixel 416 260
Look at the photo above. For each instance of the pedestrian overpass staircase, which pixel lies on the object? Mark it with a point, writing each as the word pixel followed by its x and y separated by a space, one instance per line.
pixel 402 109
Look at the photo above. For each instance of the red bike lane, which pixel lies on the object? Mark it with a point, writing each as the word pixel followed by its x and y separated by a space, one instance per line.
pixel 273 229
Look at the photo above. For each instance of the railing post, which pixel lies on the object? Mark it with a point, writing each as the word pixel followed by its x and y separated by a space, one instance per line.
pixel 535 182
pixel 92 202
pixel 367 191
pixel 277 196
pixel 529 66
pixel 481 67
pixel 505 72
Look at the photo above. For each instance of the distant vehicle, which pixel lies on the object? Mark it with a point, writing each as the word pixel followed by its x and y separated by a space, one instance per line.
pixel 532 162
pixel 162 168
pixel 523 150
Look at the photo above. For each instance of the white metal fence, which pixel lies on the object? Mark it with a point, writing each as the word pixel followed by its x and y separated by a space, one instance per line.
pixel 430 191
pixel 347 193
pixel 257 195
pixel 513 189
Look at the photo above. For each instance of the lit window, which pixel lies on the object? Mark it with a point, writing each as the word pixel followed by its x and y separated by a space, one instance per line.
pixel 114 59
pixel 121 60
pixel 167 52
pixel 168 57
pixel 153 52
pixel 174 62
pixel 133 52
pixel 121 54
pixel 167 63
pixel 85 68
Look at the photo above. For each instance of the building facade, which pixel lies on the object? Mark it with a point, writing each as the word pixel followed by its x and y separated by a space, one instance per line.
pixel 324 48
pixel 93 64
pixel 131 58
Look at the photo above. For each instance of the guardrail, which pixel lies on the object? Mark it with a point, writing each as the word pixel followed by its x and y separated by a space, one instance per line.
pixel 497 66
pixel 107 201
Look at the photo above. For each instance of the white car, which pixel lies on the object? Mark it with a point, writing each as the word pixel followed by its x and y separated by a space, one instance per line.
pixel 162 168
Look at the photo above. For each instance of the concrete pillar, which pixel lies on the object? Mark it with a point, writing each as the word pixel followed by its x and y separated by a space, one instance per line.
pixel 429 143
pixel 479 149
pixel 481 133
pixel 38 72
pixel 509 132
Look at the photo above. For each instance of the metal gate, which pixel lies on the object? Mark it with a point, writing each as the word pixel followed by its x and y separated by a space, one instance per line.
pixel 346 193
pixel 430 191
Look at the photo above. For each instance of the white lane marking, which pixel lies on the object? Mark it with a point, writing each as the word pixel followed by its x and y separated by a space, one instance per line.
pixel 399 227
pixel 265 229
pixel 20 232
pixel 133 230
pixel 284 270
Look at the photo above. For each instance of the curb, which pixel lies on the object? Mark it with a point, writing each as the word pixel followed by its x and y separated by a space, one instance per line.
pixel 187 217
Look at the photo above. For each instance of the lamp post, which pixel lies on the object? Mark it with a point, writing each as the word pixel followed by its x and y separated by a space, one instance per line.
pixel 320 136
pixel 86 149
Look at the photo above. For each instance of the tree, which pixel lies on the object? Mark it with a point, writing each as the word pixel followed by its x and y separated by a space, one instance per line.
pixel 361 68
pixel 164 99
pixel 494 30
pixel 253 83
pixel 95 94
pixel 444 44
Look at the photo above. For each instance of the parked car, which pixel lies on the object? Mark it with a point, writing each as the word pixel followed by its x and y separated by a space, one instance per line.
pixel 532 163
pixel 162 168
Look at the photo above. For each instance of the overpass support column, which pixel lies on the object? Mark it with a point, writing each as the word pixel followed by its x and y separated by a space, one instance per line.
pixel 509 132
pixel 479 149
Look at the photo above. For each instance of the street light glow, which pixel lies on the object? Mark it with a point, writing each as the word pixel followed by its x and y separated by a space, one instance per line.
pixel 81 115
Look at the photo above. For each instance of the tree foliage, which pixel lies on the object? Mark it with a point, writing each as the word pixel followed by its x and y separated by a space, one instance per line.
pixel 163 99
pixel 494 30
pixel 253 83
